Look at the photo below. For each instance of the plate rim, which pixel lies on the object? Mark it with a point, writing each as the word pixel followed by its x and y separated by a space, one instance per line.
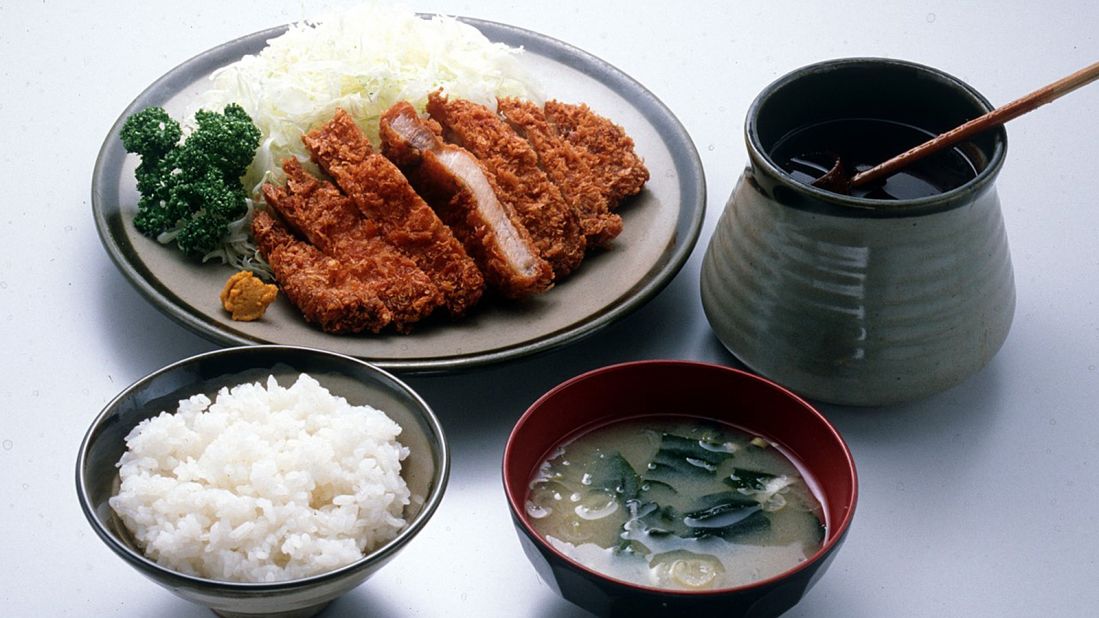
pixel 685 158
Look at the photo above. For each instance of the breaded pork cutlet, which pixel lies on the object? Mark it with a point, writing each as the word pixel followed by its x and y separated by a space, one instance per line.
pixel 607 147
pixel 459 189
pixel 316 210
pixel 567 168
pixel 320 286
pixel 552 222
pixel 381 192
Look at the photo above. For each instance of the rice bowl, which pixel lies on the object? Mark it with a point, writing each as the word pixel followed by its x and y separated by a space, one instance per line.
pixel 425 470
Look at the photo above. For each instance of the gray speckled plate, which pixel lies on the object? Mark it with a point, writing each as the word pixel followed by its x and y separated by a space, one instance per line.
pixel 661 228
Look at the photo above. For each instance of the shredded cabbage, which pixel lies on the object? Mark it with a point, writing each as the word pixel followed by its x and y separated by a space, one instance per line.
pixel 364 60
pixel 239 251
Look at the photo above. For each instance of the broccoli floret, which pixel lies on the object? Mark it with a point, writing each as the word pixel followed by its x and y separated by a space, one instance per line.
pixel 150 133
pixel 191 188
pixel 155 216
pixel 157 211
pixel 215 203
pixel 153 135
pixel 226 142
pixel 201 234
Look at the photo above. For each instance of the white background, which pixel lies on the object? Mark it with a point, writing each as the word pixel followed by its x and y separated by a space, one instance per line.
pixel 978 501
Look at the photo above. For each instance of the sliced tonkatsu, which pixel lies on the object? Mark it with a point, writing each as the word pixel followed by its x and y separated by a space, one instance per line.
pixel 552 222
pixel 321 287
pixel 327 219
pixel 608 149
pixel 381 192
pixel 567 167
pixel 464 195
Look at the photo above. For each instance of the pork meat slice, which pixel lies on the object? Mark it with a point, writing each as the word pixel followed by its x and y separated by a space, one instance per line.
pixel 520 181
pixel 383 195
pixel 319 212
pixel 321 287
pixel 463 194
pixel 567 167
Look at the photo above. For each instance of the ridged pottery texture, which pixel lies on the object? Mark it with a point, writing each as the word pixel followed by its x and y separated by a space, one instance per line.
pixel 856 301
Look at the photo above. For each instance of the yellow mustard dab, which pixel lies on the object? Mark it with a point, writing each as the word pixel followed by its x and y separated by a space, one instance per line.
pixel 246 296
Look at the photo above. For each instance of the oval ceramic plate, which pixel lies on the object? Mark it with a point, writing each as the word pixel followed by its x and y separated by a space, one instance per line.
pixel 662 225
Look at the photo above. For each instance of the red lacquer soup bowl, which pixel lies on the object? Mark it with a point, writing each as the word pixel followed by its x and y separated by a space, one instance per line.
pixel 710 393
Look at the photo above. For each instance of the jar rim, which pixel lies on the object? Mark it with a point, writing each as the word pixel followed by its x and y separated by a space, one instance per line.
pixel 820 199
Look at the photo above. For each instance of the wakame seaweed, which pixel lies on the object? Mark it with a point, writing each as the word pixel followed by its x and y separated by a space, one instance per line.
pixel 723 514
pixel 660 520
pixel 681 455
pixel 725 518
pixel 748 480
pixel 726 514
pixel 612 473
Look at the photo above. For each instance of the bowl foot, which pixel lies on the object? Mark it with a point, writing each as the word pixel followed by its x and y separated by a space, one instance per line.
pixel 305 612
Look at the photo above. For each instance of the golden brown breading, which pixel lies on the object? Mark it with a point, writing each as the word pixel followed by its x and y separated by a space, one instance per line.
pixel 552 222
pixel 462 193
pixel 318 211
pixel 381 193
pixel 567 168
pixel 320 286
pixel 609 150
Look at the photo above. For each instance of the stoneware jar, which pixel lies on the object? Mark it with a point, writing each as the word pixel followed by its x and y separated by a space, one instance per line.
pixel 854 300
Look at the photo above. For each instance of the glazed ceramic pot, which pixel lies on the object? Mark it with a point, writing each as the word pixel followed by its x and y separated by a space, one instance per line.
pixel 852 300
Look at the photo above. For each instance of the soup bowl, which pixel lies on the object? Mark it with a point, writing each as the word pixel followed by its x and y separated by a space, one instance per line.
pixel 861 300
pixel 425 470
pixel 709 393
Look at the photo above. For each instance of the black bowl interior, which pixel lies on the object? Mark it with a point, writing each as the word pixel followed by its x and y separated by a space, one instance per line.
pixel 872 88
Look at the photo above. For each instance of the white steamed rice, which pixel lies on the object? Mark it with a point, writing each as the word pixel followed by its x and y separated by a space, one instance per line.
pixel 264 484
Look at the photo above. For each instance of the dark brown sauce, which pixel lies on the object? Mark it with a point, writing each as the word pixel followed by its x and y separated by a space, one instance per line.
pixel 808 152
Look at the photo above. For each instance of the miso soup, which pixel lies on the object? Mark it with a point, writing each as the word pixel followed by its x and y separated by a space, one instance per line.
pixel 673 502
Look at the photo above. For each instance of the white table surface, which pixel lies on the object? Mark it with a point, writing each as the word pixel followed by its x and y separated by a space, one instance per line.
pixel 979 501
